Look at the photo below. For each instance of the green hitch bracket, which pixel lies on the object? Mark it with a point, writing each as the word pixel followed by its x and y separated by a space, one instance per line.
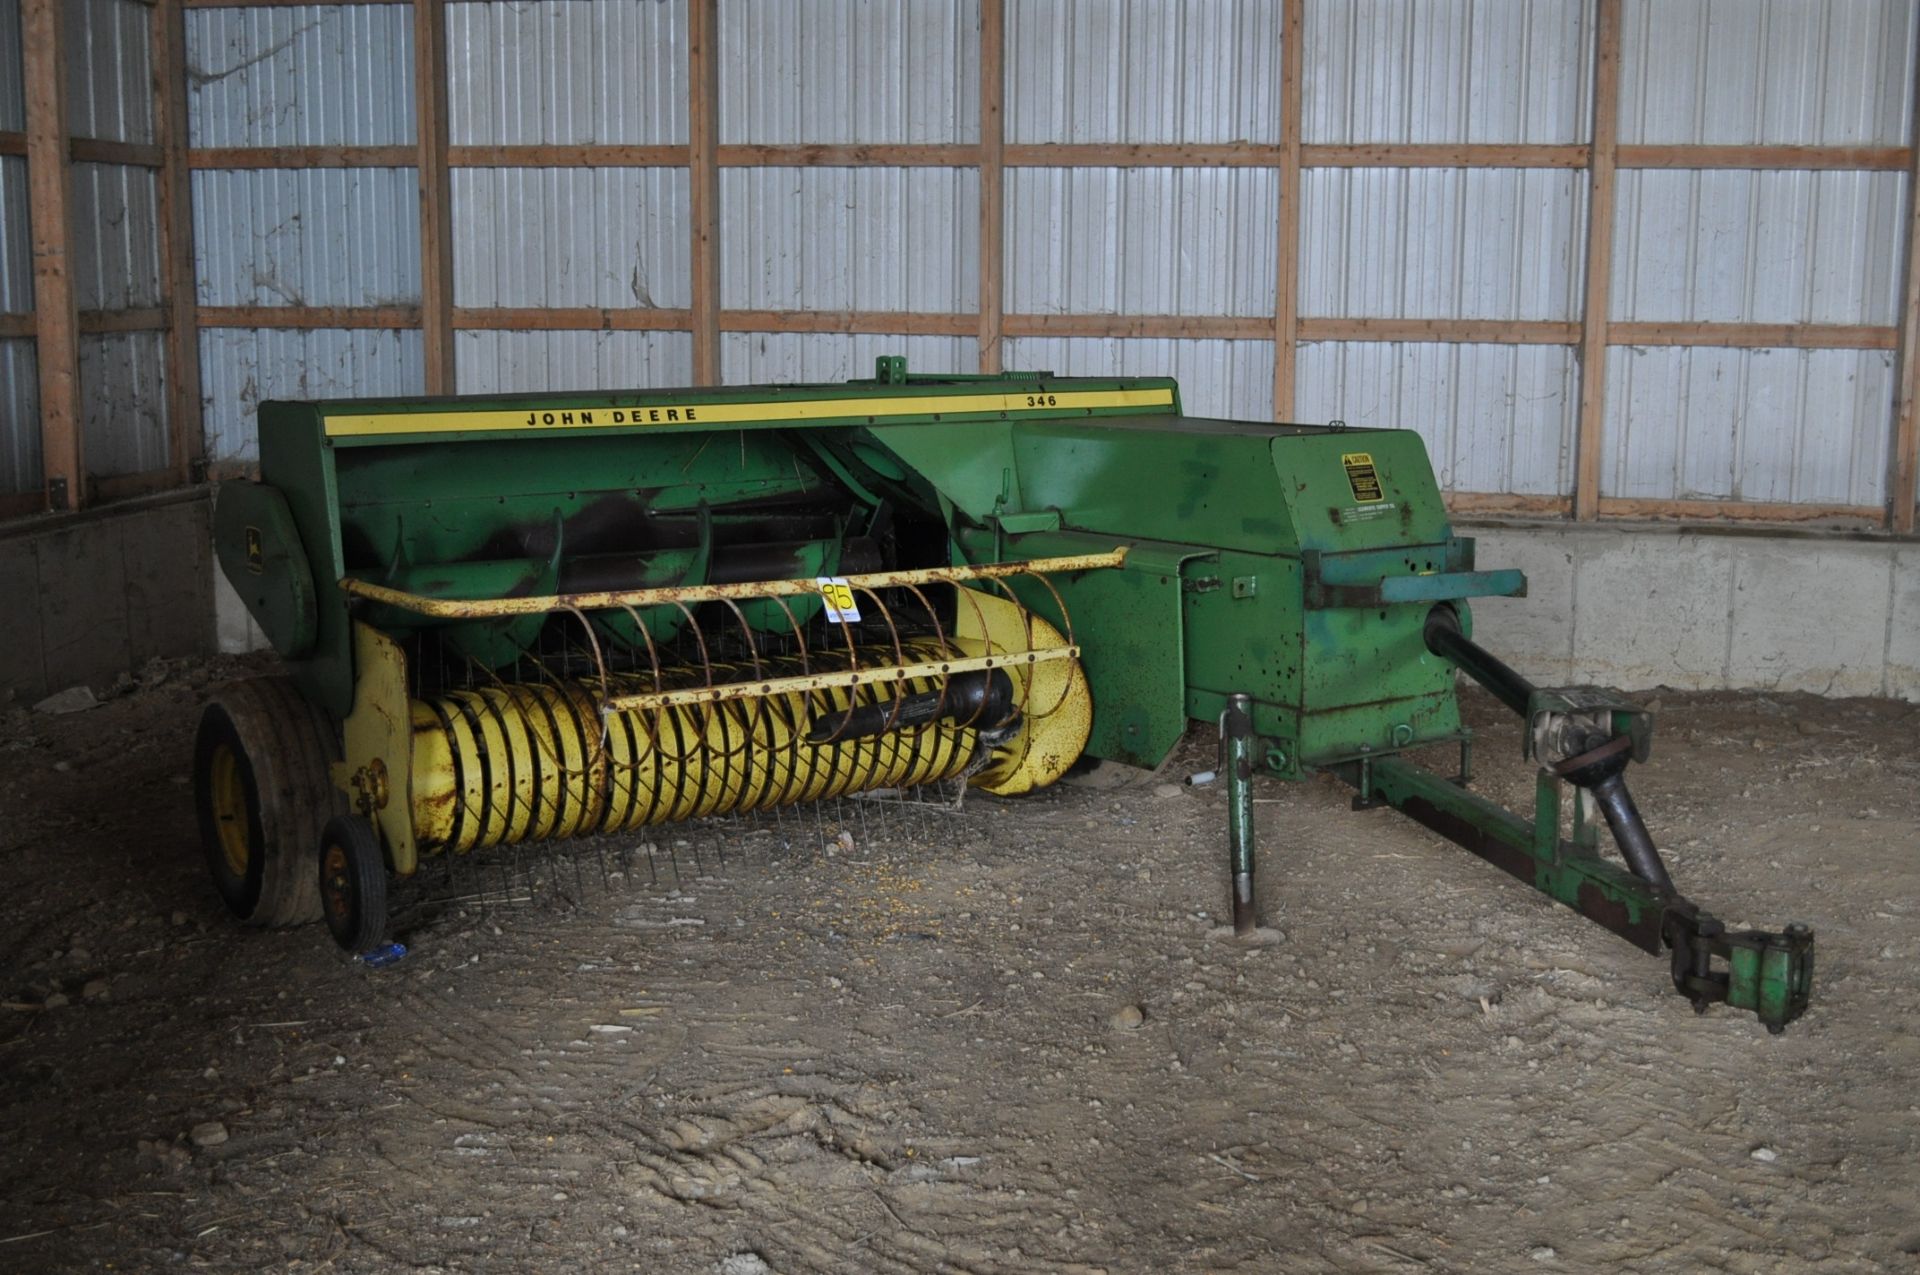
pixel 1237 744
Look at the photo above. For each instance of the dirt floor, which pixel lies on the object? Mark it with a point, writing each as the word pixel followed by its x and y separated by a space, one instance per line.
pixel 1004 1039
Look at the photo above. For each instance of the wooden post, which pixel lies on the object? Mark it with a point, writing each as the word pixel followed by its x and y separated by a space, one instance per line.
pixel 187 438
pixel 703 162
pixel 49 205
pixel 1600 201
pixel 1904 479
pixel 436 193
pixel 993 203
pixel 1286 287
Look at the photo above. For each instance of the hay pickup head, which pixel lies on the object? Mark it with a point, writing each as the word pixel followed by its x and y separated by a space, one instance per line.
pixel 516 620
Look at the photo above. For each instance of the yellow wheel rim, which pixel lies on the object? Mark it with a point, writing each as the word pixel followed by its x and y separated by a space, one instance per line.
pixel 228 788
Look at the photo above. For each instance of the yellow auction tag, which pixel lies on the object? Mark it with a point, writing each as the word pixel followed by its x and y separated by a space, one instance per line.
pixel 839 596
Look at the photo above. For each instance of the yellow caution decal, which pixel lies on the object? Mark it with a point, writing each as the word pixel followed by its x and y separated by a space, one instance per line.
pixel 1362 477
pixel 648 415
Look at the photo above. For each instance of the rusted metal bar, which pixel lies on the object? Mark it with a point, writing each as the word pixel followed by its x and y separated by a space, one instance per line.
pixel 483 608
pixel 881 675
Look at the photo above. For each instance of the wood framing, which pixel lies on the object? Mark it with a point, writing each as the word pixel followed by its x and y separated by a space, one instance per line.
pixel 993 201
pixel 883 323
pixel 178 284
pixel 49 210
pixel 305 316
pixel 1757 336
pixel 1286 280
pixel 1903 476
pixel 1444 155
pixel 1451 331
pixel 568 319
pixel 436 193
pixel 1769 158
pixel 1593 323
pixel 97 322
pixel 572 156
pixel 703 171
pixel 239 157
pixel 97 150
pixel 1737 511
pixel 1200 327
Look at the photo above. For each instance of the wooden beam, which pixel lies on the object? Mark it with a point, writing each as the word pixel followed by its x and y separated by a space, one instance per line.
pixel 309 317
pixel 12 143
pixel 569 156
pixel 49 212
pixel 703 154
pixel 1286 279
pixel 251 157
pixel 1903 478
pixel 1451 331
pixel 1495 503
pixel 1593 322
pixel 1829 158
pixel 1176 326
pixel 127 486
pixel 436 193
pixel 1736 511
pixel 1758 336
pixel 98 150
pixel 883 323
pixel 98 322
pixel 1443 155
pixel 875 155
pixel 1140 155
pixel 15 326
pixel 21 504
pixel 179 286
pixel 991 302
pixel 569 319
pixel 272 4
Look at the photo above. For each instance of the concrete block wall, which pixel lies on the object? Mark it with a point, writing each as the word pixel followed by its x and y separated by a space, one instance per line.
pixel 84 598
pixel 1644 606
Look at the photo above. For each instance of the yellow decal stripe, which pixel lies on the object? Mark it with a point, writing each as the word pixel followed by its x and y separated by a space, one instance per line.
pixel 646 415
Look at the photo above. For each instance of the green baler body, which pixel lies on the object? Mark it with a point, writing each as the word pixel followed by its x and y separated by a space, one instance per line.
pixel 1256 552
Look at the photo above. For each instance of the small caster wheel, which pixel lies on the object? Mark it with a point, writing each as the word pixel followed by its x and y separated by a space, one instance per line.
pixel 353 883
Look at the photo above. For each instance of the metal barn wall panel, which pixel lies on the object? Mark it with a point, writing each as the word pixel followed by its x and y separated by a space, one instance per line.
pixel 1439 243
pixel 109 70
pixel 1448 71
pixel 16 243
pixel 306 75
pixel 19 418
pixel 784 76
pixel 1787 72
pixel 1143 71
pixel 1768 425
pixel 116 237
pixel 240 369
pixel 319 236
pixel 758 357
pixel 13 97
pixel 1755 247
pixel 1141 241
pixel 614 71
pixel 1496 418
pixel 850 238
pixel 609 237
pixel 1229 379
pixel 123 403
pixel 533 362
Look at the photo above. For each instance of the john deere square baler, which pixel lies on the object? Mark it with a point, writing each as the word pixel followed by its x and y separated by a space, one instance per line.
pixel 520 619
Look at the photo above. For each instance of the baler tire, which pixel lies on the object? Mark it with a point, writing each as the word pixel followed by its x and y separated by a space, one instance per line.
pixel 352 882
pixel 261 791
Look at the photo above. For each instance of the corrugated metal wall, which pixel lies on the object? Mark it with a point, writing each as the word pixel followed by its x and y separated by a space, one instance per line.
pixel 1747 247
pixel 1376 243
pixel 116 237
pixel 19 381
pixel 307 75
pixel 1448 243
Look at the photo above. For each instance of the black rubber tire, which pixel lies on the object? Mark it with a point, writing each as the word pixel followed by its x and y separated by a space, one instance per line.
pixel 352 883
pixel 281 747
